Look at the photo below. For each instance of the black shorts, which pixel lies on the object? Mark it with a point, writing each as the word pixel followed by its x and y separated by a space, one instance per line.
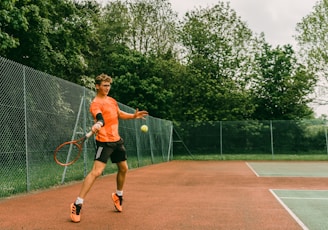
pixel 113 150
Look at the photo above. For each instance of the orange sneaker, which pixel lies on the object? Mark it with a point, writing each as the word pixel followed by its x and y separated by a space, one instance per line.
pixel 75 212
pixel 118 200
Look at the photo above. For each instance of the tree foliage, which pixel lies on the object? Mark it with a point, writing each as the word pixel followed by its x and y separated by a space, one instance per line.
pixel 281 85
pixel 152 26
pixel 12 18
pixel 54 38
pixel 217 43
pixel 312 34
pixel 207 66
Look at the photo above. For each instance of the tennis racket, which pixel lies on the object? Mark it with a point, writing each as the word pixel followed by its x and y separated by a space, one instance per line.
pixel 69 152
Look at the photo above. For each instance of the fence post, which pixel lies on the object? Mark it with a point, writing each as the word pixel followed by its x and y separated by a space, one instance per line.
pixel 73 136
pixel 85 158
pixel 326 139
pixel 221 151
pixel 151 144
pixel 137 142
pixel 26 144
pixel 170 150
pixel 271 135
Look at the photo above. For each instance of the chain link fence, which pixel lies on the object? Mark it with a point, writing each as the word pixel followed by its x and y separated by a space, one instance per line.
pixel 253 137
pixel 39 111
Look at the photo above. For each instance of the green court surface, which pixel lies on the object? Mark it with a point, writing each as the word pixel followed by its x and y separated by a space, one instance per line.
pixel 308 207
pixel 289 169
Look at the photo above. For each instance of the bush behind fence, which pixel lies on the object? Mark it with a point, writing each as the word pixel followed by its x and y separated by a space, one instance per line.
pixel 253 137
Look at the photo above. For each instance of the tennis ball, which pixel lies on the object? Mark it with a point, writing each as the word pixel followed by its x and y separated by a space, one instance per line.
pixel 144 128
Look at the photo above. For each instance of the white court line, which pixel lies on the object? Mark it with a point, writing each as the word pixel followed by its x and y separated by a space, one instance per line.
pixel 251 168
pixel 303 198
pixel 290 211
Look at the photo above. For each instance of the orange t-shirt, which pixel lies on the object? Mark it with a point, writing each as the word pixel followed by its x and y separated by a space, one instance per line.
pixel 109 109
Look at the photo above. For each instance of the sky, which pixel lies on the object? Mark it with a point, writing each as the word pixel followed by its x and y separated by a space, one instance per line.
pixel 276 18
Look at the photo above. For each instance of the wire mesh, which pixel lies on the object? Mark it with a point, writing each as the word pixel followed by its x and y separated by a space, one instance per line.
pixel 39 111
pixel 253 137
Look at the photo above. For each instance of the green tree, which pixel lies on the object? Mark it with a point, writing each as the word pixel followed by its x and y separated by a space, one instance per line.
pixel 152 27
pixel 56 36
pixel 282 85
pixel 142 77
pixel 137 84
pixel 110 40
pixel 115 23
pixel 218 55
pixel 12 18
pixel 311 36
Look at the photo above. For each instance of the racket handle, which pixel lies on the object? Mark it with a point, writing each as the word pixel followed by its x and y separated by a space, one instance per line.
pixel 89 134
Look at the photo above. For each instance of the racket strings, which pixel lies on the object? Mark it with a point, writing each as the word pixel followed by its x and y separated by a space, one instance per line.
pixel 67 153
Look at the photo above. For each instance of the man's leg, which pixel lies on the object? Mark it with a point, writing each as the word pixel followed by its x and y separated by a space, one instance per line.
pixel 120 179
pixel 97 169
pixel 121 173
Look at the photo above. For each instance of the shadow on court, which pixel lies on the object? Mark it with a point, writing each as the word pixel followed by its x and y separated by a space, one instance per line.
pixel 175 195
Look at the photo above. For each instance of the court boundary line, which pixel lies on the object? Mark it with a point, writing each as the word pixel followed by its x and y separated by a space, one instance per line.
pixel 302 198
pixel 304 227
pixel 268 175
pixel 251 168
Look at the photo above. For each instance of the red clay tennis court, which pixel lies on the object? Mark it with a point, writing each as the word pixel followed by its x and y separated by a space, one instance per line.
pixel 174 195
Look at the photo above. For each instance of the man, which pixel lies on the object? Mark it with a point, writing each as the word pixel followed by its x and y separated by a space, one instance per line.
pixel 106 114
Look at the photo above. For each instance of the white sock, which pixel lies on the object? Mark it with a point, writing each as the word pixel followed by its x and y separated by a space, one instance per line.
pixel 119 192
pixel 79 200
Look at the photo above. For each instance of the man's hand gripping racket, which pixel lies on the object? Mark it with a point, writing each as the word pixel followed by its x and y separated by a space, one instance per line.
pixel 69 152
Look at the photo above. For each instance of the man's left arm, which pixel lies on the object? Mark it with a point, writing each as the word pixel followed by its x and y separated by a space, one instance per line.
pixel 136 115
